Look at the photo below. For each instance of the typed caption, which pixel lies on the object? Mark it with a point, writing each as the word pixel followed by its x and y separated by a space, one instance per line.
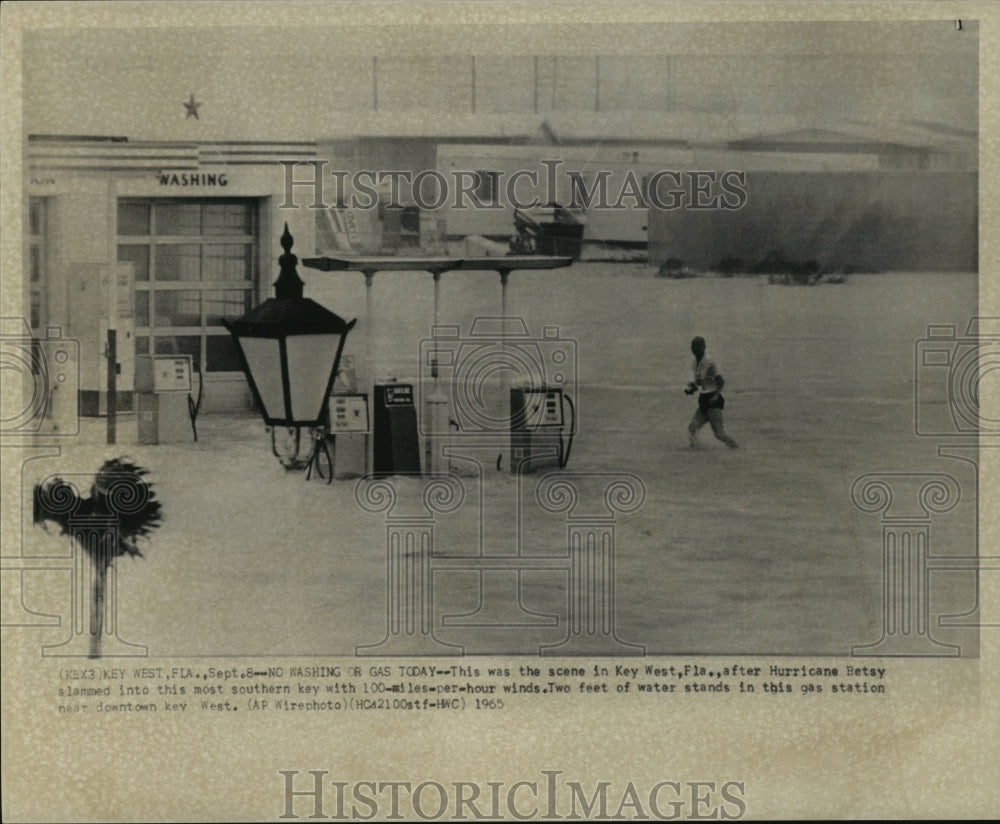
pixel 129 688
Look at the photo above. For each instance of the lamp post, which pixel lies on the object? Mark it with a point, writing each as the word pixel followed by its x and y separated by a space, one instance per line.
pixel 290 350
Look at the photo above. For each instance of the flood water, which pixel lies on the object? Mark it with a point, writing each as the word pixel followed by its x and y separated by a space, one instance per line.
pixel 760 550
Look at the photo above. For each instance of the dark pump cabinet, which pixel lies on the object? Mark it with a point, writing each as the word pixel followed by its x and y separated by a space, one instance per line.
pixel 396 447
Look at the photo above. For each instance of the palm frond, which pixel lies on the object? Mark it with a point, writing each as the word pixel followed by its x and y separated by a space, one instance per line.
pixel 120 494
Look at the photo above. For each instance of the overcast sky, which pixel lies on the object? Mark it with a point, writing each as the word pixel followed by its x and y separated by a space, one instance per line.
pixel 305 83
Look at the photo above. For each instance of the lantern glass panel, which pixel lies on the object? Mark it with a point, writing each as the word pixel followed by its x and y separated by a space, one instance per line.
pixel 263 357
pixel 310 360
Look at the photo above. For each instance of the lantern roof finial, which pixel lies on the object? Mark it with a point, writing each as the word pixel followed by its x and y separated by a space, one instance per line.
pixel 288 284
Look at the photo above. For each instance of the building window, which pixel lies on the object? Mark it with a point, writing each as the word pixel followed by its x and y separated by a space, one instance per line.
pixel 37 253
pixel 195 264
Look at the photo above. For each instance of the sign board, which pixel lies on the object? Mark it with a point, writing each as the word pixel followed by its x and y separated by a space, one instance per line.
pixel 163 373
pixel 349 414
pixel 172 373
pixel 400 394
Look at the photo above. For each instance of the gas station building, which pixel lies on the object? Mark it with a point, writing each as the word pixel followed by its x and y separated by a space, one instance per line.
pixel 175 237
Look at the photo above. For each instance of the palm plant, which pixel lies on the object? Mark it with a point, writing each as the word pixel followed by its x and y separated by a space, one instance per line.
pixel 121 510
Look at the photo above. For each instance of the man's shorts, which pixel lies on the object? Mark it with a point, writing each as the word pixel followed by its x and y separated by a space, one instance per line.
pixel 709 400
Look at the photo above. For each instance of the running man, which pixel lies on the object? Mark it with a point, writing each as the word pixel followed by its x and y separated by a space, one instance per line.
pixel 708 384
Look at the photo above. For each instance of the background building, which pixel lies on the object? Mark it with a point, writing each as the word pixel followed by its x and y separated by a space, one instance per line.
pixel 154 192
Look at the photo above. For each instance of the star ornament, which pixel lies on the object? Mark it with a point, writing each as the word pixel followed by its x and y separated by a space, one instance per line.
pixel 192 108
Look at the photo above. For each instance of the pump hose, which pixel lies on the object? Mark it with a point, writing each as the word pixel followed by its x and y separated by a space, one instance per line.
pixel 193 405
pixel 569 439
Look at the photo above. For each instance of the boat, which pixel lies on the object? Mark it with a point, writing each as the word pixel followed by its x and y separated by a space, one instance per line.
pixel 548 230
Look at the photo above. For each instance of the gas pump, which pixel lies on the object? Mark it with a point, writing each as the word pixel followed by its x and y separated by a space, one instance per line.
pixel 163 386
pixel 123 275
pixel 541 431
pixel 349 431
pixel 396 448
pixel 101 309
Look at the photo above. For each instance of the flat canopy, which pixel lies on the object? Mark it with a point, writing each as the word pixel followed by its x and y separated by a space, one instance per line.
pixel 507 263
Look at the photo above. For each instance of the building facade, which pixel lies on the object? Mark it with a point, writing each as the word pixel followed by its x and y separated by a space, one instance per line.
pixel 160 242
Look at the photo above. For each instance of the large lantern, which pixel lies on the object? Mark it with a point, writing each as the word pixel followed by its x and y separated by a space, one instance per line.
pixel 290 349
